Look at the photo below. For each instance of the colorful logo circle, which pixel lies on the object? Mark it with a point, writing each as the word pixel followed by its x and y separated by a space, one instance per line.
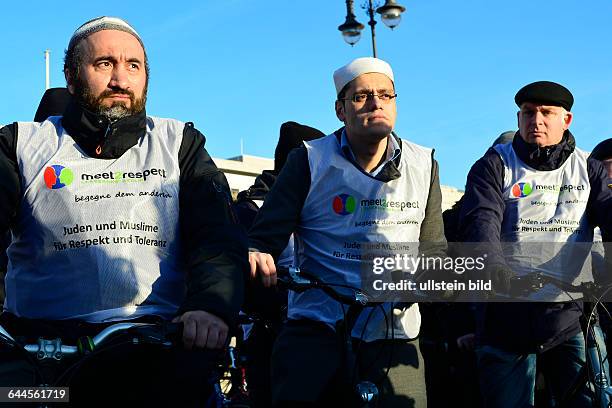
pixel 57 176
pixel 344 204
pixel 520 190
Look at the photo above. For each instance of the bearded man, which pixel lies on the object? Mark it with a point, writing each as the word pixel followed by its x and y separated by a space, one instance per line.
pixel 117 216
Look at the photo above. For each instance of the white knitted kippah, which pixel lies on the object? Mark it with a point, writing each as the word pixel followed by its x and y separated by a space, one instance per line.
pixel 360 66
pixel 99 24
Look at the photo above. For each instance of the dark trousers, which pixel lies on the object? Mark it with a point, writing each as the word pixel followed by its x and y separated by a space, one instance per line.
pixel 308 369
pixel 120 375
pixel 508 378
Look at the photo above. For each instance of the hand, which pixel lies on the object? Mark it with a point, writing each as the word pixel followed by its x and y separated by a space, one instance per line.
pixel 262 264
pixel 501 276
pixel 202 330
pixel 466 342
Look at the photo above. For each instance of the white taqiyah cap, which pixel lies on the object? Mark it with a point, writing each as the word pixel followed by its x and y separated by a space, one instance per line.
pixel 360 66
pixel 99 24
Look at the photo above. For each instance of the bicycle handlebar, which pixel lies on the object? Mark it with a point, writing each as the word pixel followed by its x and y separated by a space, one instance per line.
pixel 300 281
pixel 535 281
pixel 53 348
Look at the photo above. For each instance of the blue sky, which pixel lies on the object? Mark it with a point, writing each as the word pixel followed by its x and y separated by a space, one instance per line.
pixel 240 68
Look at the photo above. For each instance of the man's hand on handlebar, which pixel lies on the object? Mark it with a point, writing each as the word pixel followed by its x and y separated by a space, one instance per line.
pixel 500 277
pixel 262 265
pixel 202 330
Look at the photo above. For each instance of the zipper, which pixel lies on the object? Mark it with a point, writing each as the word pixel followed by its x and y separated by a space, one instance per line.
pixel 227 199
pixel 99 147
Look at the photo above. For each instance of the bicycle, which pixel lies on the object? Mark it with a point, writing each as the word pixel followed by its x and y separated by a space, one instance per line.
pixel 593 374
pixel 366 392
pixel 233 390
pixel 47 352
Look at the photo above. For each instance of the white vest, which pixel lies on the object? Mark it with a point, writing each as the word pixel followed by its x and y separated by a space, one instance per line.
pixel 545 220
pixel 345 208
pixel 96 239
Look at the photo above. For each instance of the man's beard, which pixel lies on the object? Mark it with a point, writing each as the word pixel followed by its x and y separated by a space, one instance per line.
pixel 118 109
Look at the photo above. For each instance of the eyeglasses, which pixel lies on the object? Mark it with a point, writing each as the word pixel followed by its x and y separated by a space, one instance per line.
pixel 361 97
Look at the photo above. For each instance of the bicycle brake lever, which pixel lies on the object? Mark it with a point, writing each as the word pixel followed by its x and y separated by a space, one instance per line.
pixel 525 285
pixel 295 280
pixel 166 334
pixel 361 298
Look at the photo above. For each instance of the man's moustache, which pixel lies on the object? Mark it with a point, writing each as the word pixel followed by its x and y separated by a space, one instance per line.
pixel 106 94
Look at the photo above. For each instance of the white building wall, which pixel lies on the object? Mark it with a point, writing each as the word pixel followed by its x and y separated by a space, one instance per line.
pixel 241 172
pixel 238 182
pixel 450 195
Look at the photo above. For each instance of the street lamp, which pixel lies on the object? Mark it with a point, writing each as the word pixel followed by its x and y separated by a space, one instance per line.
pixel 351 29
pixel 391 15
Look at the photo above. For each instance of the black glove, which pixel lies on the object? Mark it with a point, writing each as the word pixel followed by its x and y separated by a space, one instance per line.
pixel 501 277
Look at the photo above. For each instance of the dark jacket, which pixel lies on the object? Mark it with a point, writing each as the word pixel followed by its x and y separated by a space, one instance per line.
pixel 245 207
pixel 269 304
pixel 214 248
pixel 532 326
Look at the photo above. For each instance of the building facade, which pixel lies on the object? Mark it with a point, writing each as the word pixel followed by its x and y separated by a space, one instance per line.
pixel 241 171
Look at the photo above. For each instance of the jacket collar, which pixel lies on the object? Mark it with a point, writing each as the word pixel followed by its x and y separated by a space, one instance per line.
pixel 97 136
pixel 389 170
pixel 544 158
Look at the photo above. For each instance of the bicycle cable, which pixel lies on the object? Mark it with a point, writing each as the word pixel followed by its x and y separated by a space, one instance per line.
pixel 363 330
pixel 591 330
pixel 602 304
pixel 37 371
pixel 362 334
pixel 392 342
pixel 587 363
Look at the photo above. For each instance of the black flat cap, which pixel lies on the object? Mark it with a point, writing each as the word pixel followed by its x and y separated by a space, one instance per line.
pixel 546 93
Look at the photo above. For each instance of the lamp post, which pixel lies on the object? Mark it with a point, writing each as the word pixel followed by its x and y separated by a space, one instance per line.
pixel 391 15
pixel 47 81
